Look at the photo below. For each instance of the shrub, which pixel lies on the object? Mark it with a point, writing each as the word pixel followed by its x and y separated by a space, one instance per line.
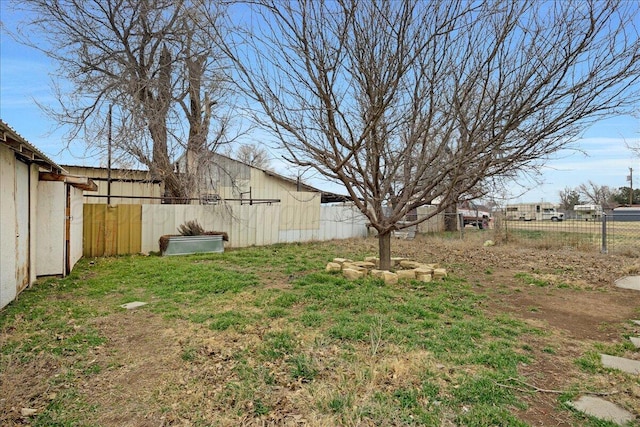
pixel 191 228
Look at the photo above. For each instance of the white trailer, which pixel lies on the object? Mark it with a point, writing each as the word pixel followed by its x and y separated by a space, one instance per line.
pixel 588 212
pixel 533 212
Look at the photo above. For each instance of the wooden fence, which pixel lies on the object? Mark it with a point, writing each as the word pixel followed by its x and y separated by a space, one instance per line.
pixel 127 229
pixel 111 230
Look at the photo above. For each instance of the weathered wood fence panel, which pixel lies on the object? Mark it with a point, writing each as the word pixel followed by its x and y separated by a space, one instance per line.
pixel 111 230
pixel 435 224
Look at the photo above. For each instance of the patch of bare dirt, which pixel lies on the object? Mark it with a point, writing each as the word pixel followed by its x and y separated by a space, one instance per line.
pixel 579 297
pixel 578 305
pixel 141 356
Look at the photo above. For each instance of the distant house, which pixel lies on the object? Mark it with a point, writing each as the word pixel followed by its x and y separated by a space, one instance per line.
pixel 222 178
pixel 226 178
pixel 120 186
pixel 41 215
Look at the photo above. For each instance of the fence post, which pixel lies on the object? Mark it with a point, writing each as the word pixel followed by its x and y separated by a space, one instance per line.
pixel 461 225
pixel 604 234
pixel 505 225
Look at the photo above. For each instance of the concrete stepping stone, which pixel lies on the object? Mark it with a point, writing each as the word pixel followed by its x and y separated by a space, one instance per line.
pixel 635 341
pixel 602 409
pixel 133 305
pixel 629 282
pixel 629 366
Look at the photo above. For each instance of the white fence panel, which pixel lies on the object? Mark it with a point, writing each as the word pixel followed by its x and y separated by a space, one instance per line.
pixel 267 230
pixel 341 222
pixel 299 217
pixel 158 220
pixel 259 225
pixel 246 225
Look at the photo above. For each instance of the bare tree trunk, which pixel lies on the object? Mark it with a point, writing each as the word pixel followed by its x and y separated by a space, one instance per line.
pixel 174 190
pixel 198 114
pixel 384 248
pixel 451 217
pixel 157 109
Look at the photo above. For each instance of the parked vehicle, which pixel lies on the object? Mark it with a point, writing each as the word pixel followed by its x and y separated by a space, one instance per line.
pixel 588 212
pixel 533 212
pixel 477 216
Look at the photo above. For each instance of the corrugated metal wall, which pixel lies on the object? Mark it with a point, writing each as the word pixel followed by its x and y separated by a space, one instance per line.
pixel 129 183
pixel 299 217
pixel 231 179
pixel 112 230
pixel 341 220
pixel 246 225
pixel 224 177
pixel 264 186
pixel 132 190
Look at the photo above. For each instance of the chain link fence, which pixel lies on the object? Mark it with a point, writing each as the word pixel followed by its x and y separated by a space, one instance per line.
pixel 605 234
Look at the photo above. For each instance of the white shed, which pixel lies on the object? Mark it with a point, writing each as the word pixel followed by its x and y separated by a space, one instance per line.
pixel 40 215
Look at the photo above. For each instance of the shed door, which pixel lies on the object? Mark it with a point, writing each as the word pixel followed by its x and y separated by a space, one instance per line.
pixel 22 226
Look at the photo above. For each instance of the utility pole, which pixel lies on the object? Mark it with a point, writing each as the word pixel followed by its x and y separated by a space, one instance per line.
pixel 109 160
pixel 630 179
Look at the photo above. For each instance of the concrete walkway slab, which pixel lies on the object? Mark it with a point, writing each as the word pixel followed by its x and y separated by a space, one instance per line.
pixel 132 305
pixel 635 341
pixel 629 282
pixel 629 366
pixel 602 409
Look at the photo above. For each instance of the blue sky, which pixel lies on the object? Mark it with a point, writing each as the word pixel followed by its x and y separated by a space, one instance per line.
pixel 25 81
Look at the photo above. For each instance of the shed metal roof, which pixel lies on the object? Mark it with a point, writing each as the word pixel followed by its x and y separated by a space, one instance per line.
pixel 26 150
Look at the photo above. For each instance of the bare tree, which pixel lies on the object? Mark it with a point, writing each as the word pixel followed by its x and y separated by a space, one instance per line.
pixel 154 61
pixel 406 103
pixel 601 195
pixel 569 197
pixel 251 154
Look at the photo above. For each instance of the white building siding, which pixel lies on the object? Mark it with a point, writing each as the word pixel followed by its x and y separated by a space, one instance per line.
pixel 76 225
pixel 32 211
pixel 264 186
pixel 7 227
pixel 18 199
pixel 50 228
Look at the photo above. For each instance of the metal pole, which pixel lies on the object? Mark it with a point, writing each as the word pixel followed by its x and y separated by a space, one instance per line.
pixel 504 224
pixel 604 234
pixel 461 224
pixel 630 180
pixel 109 160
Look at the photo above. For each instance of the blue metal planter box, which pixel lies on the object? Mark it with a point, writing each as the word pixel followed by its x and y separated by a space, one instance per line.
pixel 184 245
